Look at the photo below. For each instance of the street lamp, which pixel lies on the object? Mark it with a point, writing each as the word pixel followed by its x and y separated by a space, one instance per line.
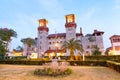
pixel 56 46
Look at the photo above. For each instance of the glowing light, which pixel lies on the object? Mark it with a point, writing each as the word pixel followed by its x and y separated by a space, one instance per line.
pixel 56 44
pixel 43 22
pixel 70 18
pixel 58 54
pixel 33 55
pixel 52 54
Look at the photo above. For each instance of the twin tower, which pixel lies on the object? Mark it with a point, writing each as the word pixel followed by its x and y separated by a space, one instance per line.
pixel 44 43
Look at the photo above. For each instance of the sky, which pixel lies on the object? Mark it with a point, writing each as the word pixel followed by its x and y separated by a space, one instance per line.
pixel 23 15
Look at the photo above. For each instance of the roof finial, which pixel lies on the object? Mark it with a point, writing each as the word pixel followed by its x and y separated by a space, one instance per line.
pixel 81 31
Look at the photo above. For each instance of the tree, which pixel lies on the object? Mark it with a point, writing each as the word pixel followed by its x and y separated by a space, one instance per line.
pixel 96 51
pixel 107 52
pixel 5 37
pixel 72 45
pixel 18 49
pixel 29 42
pixel 2 48
pixel 91 39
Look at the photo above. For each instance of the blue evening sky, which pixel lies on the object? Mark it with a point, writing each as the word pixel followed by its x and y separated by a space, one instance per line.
pixel 23 15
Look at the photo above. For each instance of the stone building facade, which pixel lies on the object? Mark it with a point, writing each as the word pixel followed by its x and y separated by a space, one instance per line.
pixel 50 44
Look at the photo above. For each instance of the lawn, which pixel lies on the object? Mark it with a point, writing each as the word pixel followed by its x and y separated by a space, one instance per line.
pixel 25 72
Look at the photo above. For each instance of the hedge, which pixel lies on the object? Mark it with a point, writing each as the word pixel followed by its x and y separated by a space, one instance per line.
pixel 114 65
pixel 41 62
pixel 24 62
pixel 15 57
pixel 102 57
pixel 88 63
pixel 112 57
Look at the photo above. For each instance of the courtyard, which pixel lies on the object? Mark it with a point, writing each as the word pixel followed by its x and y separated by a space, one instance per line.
pixel 25 72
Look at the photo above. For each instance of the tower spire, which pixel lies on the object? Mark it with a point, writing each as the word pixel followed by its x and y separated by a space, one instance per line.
pixel 55 33
pixel 81 31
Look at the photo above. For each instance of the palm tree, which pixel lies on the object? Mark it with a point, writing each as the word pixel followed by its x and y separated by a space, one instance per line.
pixel 29 42
pixel 72 45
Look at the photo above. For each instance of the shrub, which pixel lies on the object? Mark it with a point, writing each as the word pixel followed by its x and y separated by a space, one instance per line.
pixel 52 72
pixel 54 69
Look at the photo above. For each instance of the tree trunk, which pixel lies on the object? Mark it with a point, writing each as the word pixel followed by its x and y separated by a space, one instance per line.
pixel 71 55
pixel 83 57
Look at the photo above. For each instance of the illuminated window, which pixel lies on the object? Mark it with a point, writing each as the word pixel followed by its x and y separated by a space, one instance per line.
pixel 70 20
pixel 41 24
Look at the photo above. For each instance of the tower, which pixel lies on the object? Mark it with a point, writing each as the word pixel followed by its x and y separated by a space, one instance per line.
pixel 70 27
pixel 42 42
pixel 115 42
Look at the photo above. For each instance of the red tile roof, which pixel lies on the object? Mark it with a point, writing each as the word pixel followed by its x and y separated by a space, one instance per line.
pixel 97 32
pixel 61 35
pixel 57 35
pixel 114 36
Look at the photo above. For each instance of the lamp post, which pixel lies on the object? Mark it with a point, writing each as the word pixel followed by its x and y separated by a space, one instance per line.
pixel 56 46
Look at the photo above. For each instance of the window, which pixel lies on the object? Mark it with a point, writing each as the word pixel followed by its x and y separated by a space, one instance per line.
pixel 49 42
pixel 79 40
pixel 32 49
pixel 69 29
pixel 40 42
pixel 40 47
pixel 40 37
pixel 93 46
pixel 40 32
pixel 88 47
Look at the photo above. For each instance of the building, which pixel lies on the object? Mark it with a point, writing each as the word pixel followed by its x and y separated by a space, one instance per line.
pixel 115 45
pixel 50 44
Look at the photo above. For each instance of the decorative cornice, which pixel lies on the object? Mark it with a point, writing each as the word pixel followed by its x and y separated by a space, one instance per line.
pixel 43 28
pixel 70 25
